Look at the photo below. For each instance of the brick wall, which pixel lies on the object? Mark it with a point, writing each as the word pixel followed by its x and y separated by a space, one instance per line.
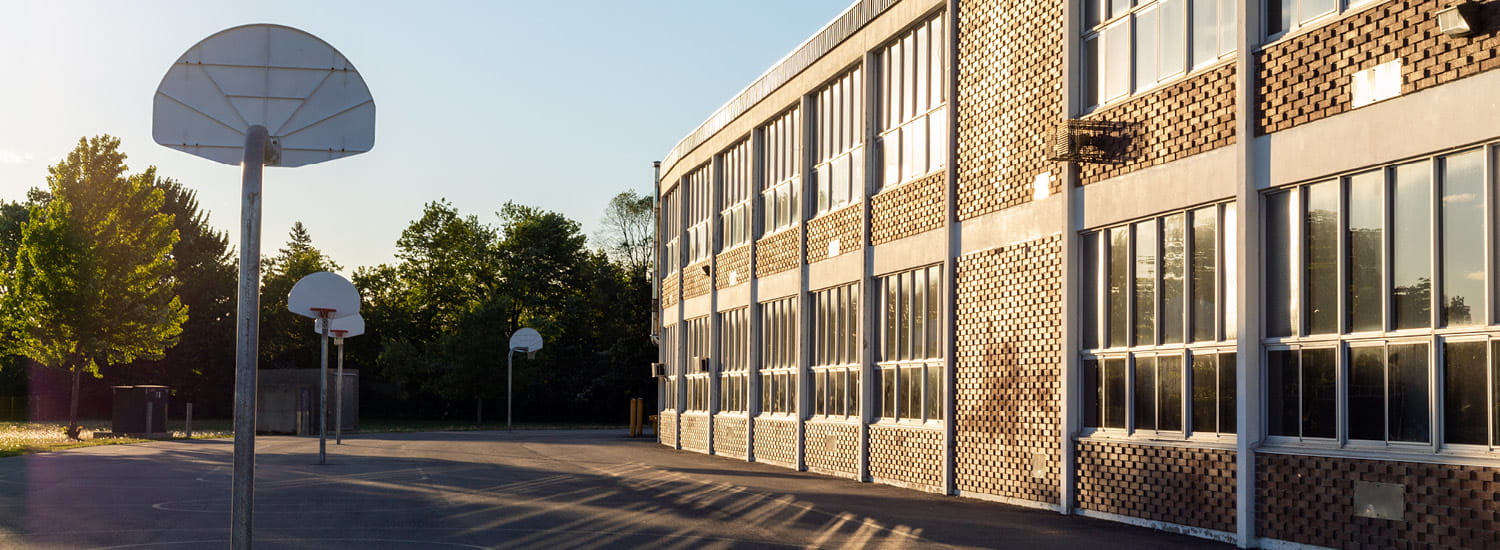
pixel 729 436
pixel 694 282
pixel 844 224
pixel 1306 77
pixel 1193 116
pixel 1309 499
pixel 667 428
pixel 669 287
pixel 911 456
pixel 737 262
pixel 777 253
pixel 1178 485
pixel 776 441
pixel 1008 371
pixel 695 432
pixel 1010 97
pixel 908 209
pixel 833 447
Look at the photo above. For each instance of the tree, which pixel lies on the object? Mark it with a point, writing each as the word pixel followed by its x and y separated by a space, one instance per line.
pixel 539 262
pixel 629 223
pixel 287 339
pixel 92 282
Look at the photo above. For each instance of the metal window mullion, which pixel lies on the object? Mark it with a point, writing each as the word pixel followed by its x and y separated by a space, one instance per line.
pixel 1343 324
pixel 1434 249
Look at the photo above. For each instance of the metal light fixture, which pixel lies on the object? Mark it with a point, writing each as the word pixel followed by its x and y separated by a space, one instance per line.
pixel 1459 20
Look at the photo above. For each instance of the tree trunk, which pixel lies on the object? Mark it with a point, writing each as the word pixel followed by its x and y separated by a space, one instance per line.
pixel 479 412
pixel 73 430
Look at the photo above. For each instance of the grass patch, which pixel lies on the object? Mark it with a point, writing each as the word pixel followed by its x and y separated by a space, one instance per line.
pixel 405 425
pixel 21 438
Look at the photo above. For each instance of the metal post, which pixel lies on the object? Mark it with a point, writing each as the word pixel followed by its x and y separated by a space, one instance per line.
pixel 187 427
pixel 247 335
pixel 323 390
pixel 148 417
pixel 338 398
pixel 510 358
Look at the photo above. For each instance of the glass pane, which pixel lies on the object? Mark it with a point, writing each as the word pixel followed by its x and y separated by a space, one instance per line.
pixel 1205 31
pixel 1408 393
pixel 1205 272
pixel 892 319
pixel 1172 262
pixel 1314 8
pixel 1283 394
pixel 1117 60
pixel 1145 283
pixel 1090 293
pixel 1205 393
pixel 1367 393
pixel 911 390
pixel 1227 392
pixel 1364 241
pixel 1411 251
pixel 1092 88
pixel 1320 293
pixel 1114 393
pixel 1092 13
pixel 1169 393
pixel 934 307
pixel 838 405
pixel 1118 7
pixel 1145 393
pixel 932 393
pixel 1119 285
pixel 1146 36
pixel 1227 27
pixel 1463 243
pixel 1230 312
pixel 1278 258
pixel 1465 412
pixel 820 393
pixel 888 393
pixel 1173 37
pixel 1092 393
pixel 1319 393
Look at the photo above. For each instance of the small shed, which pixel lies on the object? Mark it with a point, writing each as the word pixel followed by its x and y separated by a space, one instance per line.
pixel 140 410
pixel 287 401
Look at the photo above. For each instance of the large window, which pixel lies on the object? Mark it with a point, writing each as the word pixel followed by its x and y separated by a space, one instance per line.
pixel 671 230
pixel 839 140
pixel 782 163
pixel 913 105
pixel 698 357
pixel 699 207
pixel 666 389
pixel 911 351
pixel 734 382
pixel 1379 328
pixel 836 362
pixel 778 368
pixel 734 219
pixel 1158 324
pixel 1285 15
pixel 1131 45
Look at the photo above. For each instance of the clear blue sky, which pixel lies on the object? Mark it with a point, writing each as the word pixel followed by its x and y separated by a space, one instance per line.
pixel 554 104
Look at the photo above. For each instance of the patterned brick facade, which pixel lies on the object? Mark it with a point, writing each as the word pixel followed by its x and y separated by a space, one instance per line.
pixel 1178 485
pixel 909 209
pixel 1306 77
pixel 694 281
pixel 911 456
pixel 694 434
pixel 833 447
pixel 667 428
pixel 1309 500
pixel 776 441
pixel 729 436
pixel 1009 99
pixel 669 287
pixel 733 267
pixel 1008 372
pixel 842 225
pixel 777 253
pixel 1193 116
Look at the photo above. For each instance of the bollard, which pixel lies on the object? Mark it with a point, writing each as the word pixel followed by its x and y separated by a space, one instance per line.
pixel 148 416
pixel 187 428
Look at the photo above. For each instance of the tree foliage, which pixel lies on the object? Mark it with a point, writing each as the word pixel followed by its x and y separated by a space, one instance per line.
pixel 629 229
pixel 287 339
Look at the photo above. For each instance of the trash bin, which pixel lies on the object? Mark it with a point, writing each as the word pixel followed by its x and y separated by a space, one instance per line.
pixel 140 409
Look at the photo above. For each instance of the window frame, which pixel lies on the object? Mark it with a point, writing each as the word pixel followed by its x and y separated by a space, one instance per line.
pixel 736 184
pixel 779 369
pixel 1093 37
pixel 836 316
pixel 900 352
pixel 838 141
pixel 900 114
pixel 781 164
pixel 734 366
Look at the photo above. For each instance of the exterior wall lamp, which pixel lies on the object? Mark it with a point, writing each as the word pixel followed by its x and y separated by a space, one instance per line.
pixel 1462 19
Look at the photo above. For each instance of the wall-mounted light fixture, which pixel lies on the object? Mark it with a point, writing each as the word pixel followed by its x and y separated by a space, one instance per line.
pixel 705 270
pixel 1461 19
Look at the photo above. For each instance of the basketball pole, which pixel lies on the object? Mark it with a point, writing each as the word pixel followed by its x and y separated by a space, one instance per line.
pixel 323 314
pixel 247 334
pixel 338 390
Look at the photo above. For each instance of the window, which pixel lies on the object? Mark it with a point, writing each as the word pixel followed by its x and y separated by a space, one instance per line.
pixel 696 375
pixel 911 358
pixel 778 369
pixel 838 141
pixel 913 107
pixel 666 389
pixel 783 168
pixel 1158 324
pixel 671 230
pixel 734 382
pixel 1379 291
pixel 734 219
pixel 1285 15
pixel 836 352
pixel 1131 45
pixel 700 204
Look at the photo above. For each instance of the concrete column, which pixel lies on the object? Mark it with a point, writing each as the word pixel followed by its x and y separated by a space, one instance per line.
pixel 1072 223
pixel 1247 272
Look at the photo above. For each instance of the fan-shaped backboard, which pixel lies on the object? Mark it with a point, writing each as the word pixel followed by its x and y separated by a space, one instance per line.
pixel 353 325
pixel 311 101
pixel 526 339
pixel 323 291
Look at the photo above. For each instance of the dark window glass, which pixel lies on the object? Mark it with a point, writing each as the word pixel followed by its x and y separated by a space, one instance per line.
pixel 1145 283
pixel 1093 393
pixel 1319 393
pixel 1169 374
pixel 1205 272
pixel 1145 393
pixel 1227 392
pixel 1320 292
pixel 911 389
pixel 932 394
pixel 1411 250
pixel 1364 241
pixel 1463 243
pixel 1408 393
pixel 1367 393
pixel 1114 393
pixel 1091 290
pixel 1278 265
pixel 1205 393
pixel 1283 394
pixel 1278 16
pixel 1119 285
pixel 1465 413
pixel 888 393
pixel 1172 261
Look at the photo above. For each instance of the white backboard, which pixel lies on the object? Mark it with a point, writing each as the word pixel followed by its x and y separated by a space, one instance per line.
pixel 526 340
pixel 309 98
pixel 323 291
pixel 353 325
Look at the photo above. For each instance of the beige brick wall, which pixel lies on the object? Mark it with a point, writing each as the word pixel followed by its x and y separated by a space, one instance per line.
pixel 1306 77
pixel 669 287
pixel 1185 486
pixel 729 436
pixel 1309 499
pixel 1009 99
pixel 694 282
pixel 833 447
pixel 735 261
pixel 844 225
pixel 910 456
pixel 695 432
pixel 1193 116
pixel 777 253
pixel 1008 371
pixel 667 429
pixel 908 209
pixel 776 441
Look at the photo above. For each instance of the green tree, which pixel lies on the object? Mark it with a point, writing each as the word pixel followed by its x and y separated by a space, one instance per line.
pixel 287 339
pixel 540 256
pixel 629 226
pixel 92 282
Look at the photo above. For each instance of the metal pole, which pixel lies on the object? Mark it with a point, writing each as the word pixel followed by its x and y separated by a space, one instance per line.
pixel 247 335
pixel 510 359
pixel 338 397
pixel 187 428
pixel 323 391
